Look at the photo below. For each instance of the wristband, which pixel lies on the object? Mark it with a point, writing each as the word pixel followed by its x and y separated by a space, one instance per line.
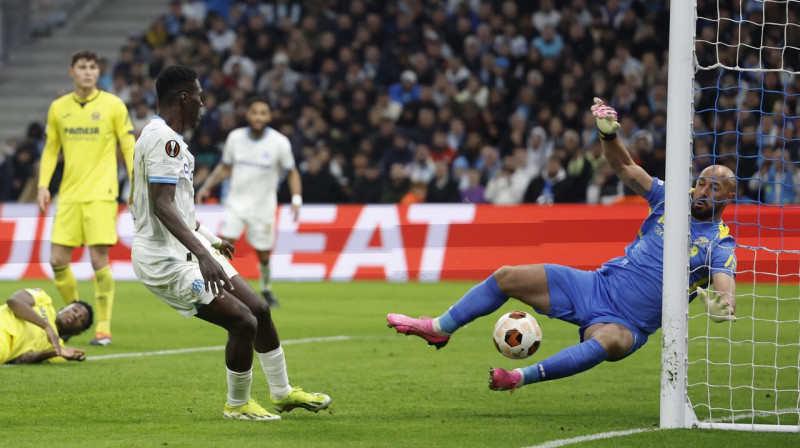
pixel 297 200
pixel 213 239
pixel 607 137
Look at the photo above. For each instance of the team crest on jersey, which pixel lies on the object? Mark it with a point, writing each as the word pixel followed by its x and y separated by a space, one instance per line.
pixel 95 116
pixel 702 241
pixel 173 148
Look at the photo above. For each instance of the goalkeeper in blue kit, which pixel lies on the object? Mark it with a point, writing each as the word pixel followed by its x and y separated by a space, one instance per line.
pixel 618 305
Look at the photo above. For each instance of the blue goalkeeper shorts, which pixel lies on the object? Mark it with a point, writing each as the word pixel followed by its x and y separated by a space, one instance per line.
pixel 578 297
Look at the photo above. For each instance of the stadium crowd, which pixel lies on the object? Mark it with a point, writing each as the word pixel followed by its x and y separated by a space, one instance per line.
pixel 451 100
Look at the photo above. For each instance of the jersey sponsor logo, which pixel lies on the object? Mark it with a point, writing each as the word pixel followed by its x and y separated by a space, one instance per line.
pixel 82 130
pixel 173 148
pixel 198 286
pixel 95 116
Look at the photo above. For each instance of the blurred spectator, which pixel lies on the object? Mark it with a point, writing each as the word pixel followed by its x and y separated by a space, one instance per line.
pixel 367 186
pixel 473 191
pixel 777 179
pixel 220 36
pixel 406 90
pixel 422 167
pixel 550 186
pixel 396 184
pixel 507 186
pixel 140 117
pixel 319 185
pixel 606 187
pixel 416 193
pixel 442 188
pixel 546 16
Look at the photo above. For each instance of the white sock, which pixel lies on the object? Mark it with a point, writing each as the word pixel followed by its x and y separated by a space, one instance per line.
pixel 239 386
pixel 274 365
pixel 438 327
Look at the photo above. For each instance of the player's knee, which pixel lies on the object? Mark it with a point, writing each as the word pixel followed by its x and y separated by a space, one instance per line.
pixel 246 325
pixel 261 312
pixel 616 343
pixel 504 276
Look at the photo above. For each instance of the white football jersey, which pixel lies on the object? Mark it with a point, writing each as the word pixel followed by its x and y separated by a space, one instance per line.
pixel 257 167
pixel 161 156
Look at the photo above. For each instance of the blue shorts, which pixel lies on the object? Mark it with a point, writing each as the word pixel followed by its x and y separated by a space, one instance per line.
pixel 578 297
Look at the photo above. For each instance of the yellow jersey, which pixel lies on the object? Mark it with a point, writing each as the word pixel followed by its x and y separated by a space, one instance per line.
pixel 87 132
pixel 20 336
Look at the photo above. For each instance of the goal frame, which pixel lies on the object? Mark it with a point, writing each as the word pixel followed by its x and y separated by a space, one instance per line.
pixel 675 408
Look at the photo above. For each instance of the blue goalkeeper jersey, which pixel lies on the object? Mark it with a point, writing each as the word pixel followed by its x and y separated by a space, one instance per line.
pixel 634 282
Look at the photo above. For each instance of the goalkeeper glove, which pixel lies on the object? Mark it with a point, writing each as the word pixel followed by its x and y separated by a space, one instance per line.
pixel 213 239
pixel 718 310
pixel 606 118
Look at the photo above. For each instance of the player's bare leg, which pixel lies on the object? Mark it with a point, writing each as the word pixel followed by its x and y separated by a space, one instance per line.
pixel 103 294
pixel 265 280
pixel 270 354
pixel 526 283
pixel 231 314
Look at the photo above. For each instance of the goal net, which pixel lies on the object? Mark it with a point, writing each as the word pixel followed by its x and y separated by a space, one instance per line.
pixel 745 375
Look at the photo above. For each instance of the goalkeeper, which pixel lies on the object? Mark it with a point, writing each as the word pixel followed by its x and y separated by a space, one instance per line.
pixel 619 305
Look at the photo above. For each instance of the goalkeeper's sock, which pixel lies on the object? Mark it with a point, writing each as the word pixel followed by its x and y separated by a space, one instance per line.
pixel 484 298
pixel 265 277
pixel 66 284
pixel 567 362
pixel 104 299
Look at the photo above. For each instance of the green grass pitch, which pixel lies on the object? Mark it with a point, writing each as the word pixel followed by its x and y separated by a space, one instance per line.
pixel 387 390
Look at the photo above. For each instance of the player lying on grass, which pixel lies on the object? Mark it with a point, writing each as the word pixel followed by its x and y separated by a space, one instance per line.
pixel 31 330
pixel 182 262
pixel 618 305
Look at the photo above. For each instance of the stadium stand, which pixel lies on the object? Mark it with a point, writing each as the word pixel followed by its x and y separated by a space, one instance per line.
pixel 498 90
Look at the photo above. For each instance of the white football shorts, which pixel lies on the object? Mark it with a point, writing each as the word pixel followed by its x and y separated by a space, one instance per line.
pixel 260 229
pixel 176 281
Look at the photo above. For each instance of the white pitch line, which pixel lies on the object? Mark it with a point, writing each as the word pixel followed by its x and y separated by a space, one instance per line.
pixel 608 435
pixel 181 351
pixel 591 437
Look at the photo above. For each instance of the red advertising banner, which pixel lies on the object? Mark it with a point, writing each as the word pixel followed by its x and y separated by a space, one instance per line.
pixel 424 242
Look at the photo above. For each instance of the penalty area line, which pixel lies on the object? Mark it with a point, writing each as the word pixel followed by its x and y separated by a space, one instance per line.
pixel 592 437
pixel 181 351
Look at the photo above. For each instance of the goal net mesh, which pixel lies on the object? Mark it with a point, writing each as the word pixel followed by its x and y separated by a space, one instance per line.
pixel 746 116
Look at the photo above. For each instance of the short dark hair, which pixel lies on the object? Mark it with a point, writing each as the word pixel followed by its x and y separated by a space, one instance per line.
pixel 84 54
pixel 89 314
pixel 172 81
pixel 257 99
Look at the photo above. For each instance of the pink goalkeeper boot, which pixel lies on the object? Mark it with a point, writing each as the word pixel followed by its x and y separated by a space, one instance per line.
pixel 422 327
pixel 501 379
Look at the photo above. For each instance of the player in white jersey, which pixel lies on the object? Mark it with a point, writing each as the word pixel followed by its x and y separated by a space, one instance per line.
pixel 184 264
pixel 255 156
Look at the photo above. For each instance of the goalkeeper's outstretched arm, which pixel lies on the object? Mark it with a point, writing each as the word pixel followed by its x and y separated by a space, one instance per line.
pixel 634 176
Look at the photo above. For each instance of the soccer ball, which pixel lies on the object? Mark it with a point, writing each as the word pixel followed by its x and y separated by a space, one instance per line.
pixel 517 335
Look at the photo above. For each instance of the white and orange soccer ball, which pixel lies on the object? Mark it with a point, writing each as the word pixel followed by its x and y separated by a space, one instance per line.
pixel 517 335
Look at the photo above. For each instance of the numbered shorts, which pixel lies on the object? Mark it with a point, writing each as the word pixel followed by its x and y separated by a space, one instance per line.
pixel 92 223
pixel 177 282
pixel 577 297
pixel 260 230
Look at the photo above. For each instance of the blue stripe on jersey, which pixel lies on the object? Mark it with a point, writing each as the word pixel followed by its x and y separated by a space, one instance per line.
pixel 162 180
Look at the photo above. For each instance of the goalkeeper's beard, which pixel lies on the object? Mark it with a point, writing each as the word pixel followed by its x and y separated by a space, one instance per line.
pixel 701 212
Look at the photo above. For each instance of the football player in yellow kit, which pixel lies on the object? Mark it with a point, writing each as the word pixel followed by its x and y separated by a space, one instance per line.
pixel 86 125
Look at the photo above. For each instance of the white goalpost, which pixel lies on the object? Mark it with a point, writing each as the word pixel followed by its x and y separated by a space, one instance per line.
pixel 734 99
